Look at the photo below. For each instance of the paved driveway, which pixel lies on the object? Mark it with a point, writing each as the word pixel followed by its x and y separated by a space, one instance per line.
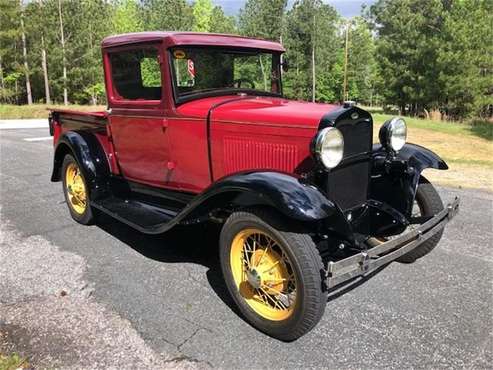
pixel 433 313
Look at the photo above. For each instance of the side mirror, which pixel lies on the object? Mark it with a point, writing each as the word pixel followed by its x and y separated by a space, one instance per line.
pixel 285 65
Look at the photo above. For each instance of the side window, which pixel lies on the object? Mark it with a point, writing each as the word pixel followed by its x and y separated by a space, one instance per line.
pixel 136 74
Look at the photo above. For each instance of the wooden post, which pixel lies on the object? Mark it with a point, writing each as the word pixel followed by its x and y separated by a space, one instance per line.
pixel 313 61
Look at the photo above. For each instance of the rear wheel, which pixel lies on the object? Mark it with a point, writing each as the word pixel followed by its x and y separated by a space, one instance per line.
pixel 76 191
pixel 275 277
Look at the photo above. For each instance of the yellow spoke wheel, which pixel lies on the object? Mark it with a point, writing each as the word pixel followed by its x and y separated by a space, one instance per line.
pixel 263 274
pixel 274 276
pixel 75 188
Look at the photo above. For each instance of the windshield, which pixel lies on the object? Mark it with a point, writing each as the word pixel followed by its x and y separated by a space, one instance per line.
pixel 200 72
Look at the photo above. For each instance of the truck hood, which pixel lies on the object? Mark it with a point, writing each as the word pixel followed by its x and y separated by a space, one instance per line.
pixel 259 110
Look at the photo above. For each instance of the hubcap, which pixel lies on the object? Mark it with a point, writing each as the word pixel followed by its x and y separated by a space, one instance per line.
pixel 254 278
pixel 76 189
pixel 263 274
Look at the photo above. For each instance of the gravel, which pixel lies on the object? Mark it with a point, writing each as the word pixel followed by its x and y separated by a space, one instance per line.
pixel 48 315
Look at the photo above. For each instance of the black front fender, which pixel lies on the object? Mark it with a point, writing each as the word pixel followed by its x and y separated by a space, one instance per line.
pixel 395 177
pixel 296 200
pixel 421 158
pixel 90 156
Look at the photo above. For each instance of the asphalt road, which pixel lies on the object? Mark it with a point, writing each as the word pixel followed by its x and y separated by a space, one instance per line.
pixel 436 313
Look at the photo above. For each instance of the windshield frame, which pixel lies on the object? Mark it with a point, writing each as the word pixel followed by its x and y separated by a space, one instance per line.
pixel 276 58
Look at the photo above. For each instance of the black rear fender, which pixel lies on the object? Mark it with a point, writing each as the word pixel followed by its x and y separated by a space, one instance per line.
pixel 88 152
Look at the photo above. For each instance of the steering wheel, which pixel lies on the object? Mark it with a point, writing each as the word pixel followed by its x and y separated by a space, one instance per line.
pixel 237 83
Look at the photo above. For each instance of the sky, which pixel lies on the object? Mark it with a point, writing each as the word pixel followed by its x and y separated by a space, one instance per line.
pixel 347 8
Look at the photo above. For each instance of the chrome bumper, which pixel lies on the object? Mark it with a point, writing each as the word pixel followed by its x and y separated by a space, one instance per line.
pixel 364 263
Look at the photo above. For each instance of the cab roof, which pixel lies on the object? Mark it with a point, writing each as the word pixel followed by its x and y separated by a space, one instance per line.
pixel 171 39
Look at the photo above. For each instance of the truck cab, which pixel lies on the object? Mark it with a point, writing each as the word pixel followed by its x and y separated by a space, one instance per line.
pixel 197 129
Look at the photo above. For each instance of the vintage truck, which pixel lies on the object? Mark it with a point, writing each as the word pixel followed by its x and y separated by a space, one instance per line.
pixel 197 130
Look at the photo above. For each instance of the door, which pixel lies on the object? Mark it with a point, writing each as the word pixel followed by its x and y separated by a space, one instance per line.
pixel 138 126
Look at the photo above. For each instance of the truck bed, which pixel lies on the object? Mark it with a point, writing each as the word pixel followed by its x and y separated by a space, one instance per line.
pixel 80 115
pixel 62 120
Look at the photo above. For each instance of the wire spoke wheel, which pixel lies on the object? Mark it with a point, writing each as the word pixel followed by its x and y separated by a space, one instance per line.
pixel 427 203
pixel 76 189
pixel 416 212
pixel 264 274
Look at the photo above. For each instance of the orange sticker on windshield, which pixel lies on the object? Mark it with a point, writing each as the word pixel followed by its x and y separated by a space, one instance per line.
pixel 179 54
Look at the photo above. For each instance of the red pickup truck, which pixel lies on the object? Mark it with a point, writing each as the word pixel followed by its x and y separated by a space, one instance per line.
pixel 197 130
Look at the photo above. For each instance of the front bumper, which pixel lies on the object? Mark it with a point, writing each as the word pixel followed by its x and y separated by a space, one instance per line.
pixel 364 263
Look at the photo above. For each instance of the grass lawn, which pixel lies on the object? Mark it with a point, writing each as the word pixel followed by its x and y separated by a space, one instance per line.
pixel 467 148
pixel 12 362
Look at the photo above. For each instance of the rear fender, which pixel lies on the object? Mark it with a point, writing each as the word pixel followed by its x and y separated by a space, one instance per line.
pixel 302 204
pixel 88 152
pixel 395 179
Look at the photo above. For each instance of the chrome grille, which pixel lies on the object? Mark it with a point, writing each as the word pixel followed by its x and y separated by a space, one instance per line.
pixel 347 184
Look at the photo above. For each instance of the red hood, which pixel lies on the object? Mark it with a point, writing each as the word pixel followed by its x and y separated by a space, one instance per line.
pixel 269 110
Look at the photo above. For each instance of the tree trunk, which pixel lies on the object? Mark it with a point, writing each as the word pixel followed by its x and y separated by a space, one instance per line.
pixel 2 82
pixel 346 51
pixel 64 60
pixel 44 64
pixel 24 55
pixel 402 109
pixel 45 71
pixel 16 92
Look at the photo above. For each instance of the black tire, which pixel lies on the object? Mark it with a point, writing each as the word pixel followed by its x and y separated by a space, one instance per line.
pixel 87 217
pixel 429 203
pixel 306 264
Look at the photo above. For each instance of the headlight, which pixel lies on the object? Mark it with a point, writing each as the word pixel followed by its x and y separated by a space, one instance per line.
pixel 393 134
pixel 329 146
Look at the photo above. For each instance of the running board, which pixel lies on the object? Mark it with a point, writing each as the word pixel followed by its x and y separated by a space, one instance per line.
pixel 139 215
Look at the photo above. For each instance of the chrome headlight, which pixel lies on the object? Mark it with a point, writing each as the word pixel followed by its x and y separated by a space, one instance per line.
pixel 329 147
pixel 393 134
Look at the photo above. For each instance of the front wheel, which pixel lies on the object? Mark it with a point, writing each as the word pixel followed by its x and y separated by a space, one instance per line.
pixel 427 203
pixel 275 277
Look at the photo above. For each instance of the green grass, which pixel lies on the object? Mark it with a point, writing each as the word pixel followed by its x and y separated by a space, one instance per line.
pixel 478 162
pixel 12 362
pixel 483 129
pixel 9 111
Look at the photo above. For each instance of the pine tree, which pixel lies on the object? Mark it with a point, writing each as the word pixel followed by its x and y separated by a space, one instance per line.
pixel 312 44
pixel 262 18
pixel 167 15
pixel 202 12
pixel 10 69
pixel 465 60
pixel 220 23
pixel 127 17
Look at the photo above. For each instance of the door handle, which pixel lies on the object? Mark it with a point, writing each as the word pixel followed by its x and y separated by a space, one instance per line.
pixel 164 125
